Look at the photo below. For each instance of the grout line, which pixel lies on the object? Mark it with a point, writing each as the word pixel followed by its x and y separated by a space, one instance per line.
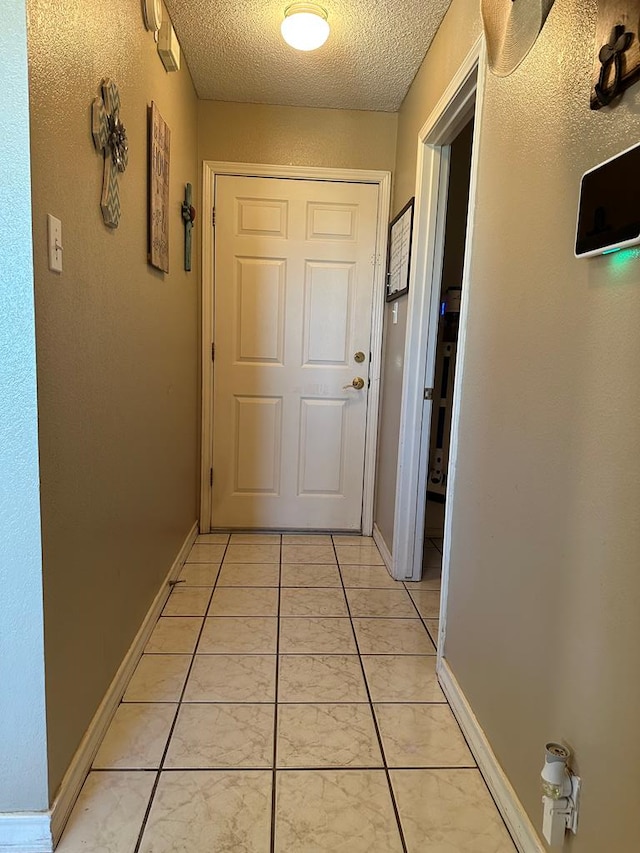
pixel 295 702
pixel 424 618
pixel 375 721
pixel 175 718
pixel 272 841
pixel 303 768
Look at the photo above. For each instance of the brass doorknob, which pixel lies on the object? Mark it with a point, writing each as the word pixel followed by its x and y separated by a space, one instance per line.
pixel 359 357
pixel 358 384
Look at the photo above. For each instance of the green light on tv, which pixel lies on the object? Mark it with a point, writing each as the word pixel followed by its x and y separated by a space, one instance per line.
pixel 610 251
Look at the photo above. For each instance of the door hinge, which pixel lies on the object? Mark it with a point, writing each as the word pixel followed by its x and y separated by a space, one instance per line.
pixel 213 352
pixel 211 476
pixel 428 393
pixel 213 216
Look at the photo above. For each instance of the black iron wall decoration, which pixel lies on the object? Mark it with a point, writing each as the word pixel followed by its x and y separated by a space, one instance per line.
pixel 617 61
pixel 188 217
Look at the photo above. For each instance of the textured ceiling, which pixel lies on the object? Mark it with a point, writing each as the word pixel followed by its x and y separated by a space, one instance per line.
pixel 235 51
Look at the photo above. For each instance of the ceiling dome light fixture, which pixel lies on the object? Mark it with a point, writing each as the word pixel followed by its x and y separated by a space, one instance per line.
pixel 305 26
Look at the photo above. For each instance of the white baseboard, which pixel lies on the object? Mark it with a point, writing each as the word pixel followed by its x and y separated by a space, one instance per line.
pixel 382 547
pixel 81 763
pixel 510 807
pixel 25 832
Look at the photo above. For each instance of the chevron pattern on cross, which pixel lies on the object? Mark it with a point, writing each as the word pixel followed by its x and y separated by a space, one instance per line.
pixel 110 138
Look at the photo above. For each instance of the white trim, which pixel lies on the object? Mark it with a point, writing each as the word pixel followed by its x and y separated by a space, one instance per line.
pixel 467 290
pixel 206 288
pixel 25 832
pixel 377 321
pixel 512 811
pixel 211 168
pixel 450 114
pixel 385 553
pixel 81 763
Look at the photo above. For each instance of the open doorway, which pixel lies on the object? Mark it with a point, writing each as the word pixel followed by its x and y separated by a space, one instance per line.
pixel 455 121
pixel 455 232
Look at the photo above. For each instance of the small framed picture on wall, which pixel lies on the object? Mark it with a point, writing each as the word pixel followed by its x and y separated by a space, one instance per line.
pixel 399 252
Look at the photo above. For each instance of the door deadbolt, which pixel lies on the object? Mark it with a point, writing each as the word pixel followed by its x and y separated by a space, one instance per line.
pixel 359 357
pixel 358 384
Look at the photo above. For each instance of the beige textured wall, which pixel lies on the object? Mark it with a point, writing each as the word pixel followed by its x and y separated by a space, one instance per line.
pixel 117 350
pixel 457 33
pixel 296 136
pixel 543 625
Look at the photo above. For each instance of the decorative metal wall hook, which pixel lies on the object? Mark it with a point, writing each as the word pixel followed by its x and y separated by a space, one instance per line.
pixel 611 57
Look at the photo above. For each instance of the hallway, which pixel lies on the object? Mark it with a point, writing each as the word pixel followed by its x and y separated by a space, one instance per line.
pixel 293 660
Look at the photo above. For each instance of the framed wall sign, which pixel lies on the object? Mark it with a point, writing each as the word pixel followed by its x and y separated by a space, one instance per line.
pixel 399 252
pixel 159 148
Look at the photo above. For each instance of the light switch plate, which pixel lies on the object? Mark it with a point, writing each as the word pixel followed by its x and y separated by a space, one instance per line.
pixel 54 242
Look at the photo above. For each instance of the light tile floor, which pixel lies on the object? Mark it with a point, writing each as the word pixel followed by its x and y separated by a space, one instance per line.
pixel 287 700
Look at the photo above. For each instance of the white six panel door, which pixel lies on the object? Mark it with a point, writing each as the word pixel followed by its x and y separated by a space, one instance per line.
pixel 293 303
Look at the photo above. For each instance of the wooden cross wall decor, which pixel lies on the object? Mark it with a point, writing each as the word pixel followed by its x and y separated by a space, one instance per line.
pixel 110 138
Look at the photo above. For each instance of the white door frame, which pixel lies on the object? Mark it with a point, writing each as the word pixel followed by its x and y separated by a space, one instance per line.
pixel 211 168
pixel 462 98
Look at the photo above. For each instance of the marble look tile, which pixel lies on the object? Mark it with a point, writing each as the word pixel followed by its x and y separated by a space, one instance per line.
pixel 325 811
pixel 240 635
pixel 427 601
pixel 312 602
pixel 316 635
pixel 199 574
pixel 448 811
pixel 246 553
pixel 433 584
pixel 348 539
pixel 320 678
pixel 221 811
pixel 392 637
pixel 368 577
pixel 327 736
pixel 323 554
pixel 306 539
pixel 187 601
pixel 359 555
pixel 232 678
pixel 212 539
pixel 255 538
pixel 238 601
pixel 422 736
pixel 431 579
pixel 136 738
pixel 310 574
pixel 381 602
pixel 225 735
pixel 158 678
pixel 249 574
pixel 174 635
pixel 433 627
pixel 402 678
pixel 108 813
pixel 210 553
